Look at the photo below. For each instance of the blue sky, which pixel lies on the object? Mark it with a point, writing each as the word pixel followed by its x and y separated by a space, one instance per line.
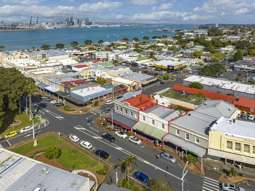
pixel 140 11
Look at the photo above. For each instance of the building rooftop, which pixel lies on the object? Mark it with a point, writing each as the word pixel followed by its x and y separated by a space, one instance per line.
pixel 142 102
pixel 87 91
pixel 222 83
pixel 236 128
pixel 135 76
pixel 163 112
pixel 21 173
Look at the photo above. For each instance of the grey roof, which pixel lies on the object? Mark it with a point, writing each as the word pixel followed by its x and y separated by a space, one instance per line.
pixel 163 112
pixel 137 76
pixel 112 187
pixel 21 173
pixel 217 108
pixel 201 119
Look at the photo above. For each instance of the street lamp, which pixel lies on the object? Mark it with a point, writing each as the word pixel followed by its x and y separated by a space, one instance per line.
pixel 184 173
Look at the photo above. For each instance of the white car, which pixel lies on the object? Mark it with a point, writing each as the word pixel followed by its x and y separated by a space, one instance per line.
pixel 135 140
pixel 86 145
pixel 108 102
pixel 230 187
pixel 74 138
pixel 26 129
pixel 53 101
pixel 121 134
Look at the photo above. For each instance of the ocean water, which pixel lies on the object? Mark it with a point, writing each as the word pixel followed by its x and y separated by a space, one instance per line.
pixel 28 39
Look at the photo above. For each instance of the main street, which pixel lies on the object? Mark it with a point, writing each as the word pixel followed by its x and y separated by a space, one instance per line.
pixel 84 127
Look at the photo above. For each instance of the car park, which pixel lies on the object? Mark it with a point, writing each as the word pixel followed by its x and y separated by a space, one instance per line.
pixel 141 177
pixel 26 129
pixel 166 156
pixel 121 134
pixel 86 145
pixel 74 138
pixel 108 137
pixel 135 140
pixel 11 134
pixel 230 187
pixel 102 154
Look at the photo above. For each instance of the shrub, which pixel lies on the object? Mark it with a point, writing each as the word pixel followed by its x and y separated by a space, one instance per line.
pixel 102 171
pixel 53 153
pixel 191 158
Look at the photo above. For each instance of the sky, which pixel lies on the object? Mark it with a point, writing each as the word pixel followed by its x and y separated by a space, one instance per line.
pixel 135 11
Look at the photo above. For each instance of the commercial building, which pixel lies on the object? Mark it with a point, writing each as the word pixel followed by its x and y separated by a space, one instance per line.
pixel 223 86
pixel 21 173
pixel 171 64
pixel 233 140
pixel 190 132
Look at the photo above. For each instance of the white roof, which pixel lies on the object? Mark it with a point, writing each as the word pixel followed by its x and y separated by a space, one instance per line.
pixel 236 128
pixel 225 84
pixel 170 62
pixel 88 91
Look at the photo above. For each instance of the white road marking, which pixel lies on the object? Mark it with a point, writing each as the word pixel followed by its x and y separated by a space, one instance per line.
pixel 88 133
pixel 210 184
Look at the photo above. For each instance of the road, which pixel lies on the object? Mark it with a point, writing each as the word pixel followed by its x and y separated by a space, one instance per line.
pixel 84 127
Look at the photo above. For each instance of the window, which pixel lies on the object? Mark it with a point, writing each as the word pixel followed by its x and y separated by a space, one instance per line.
pixel 144 118
pixel 163 126
pixel 238 146
pixel 117 108
pixel 187 136
pixel 126 111
pixel 153 122
pixel 131 113
pixel 121 109
pixel 229 144
pixel 246 148
pixel 197 140
pixel 253 150
pixel 177 132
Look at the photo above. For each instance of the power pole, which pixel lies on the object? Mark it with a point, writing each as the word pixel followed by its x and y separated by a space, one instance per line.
pixel 184 173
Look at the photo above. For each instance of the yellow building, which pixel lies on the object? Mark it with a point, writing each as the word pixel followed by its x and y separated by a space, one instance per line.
pixel 233 140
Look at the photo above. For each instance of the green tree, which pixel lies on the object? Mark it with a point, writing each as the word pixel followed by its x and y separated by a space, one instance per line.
pixel 101 81
pixel 2 47
pixel 214 32
pixel 238 55
pixel 60 46
pixel 212 70
pixel 196 85
pixel 159 185
pixel 217 56
pixel 100 42
pixel 53 153
pixel 74 44
pixel 251 51
pixel 146 38
pixel 197 54
pixel 126 165
pixel 88 42
pixel 136 39
pixel 45 47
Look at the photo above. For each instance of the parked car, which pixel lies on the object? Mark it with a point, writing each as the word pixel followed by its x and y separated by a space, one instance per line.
pixel 141 177
pixel 86 145
pixel 11 134
pixel 74 138
pixel 59 104
pixel 26 129
pixel 121 134
pixel 108 137
pixel 102 154
pixel 230 187
pixel 135 140
pixel 53 101
pixel 166 156
pixel 108 102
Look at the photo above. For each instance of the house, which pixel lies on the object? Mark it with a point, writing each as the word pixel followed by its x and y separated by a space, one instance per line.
pixel 232 140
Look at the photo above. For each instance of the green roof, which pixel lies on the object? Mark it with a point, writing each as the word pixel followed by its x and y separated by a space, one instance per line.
pixel 149 130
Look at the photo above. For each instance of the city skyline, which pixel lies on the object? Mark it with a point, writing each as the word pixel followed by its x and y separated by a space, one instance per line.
pixel 145 11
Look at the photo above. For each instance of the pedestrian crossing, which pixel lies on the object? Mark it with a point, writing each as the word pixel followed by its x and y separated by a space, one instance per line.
pixel 210 184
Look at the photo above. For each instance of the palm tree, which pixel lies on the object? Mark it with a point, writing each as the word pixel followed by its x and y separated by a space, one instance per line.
pixel 45 47
pixel 127 165
pixel 30 89
pixel 60 46
pixel 87 42
pixel 136 39
pixel 2 47
pixel 74 44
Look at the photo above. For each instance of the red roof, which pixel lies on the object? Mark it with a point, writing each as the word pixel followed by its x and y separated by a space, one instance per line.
pixel 81 66
pixel 142 102
pixel 242 103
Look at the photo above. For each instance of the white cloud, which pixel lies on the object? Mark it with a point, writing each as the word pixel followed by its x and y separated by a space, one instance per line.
pixel 165 6
pixel 99 6
pixel 144 2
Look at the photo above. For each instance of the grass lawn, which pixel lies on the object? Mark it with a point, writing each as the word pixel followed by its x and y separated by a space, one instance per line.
pixel 131 185
pixel 71 157
pixel 194 99
pixel 22 120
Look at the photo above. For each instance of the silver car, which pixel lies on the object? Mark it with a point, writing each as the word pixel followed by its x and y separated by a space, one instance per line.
pixel 230 187
pixel 166 156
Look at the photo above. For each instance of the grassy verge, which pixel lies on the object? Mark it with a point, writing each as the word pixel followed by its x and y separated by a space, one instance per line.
pixel 194 99
pixel 131 185
pixel 71 157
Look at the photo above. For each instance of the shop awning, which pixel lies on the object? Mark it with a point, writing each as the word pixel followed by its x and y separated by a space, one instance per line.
pixel 149 130
pixel 185 145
